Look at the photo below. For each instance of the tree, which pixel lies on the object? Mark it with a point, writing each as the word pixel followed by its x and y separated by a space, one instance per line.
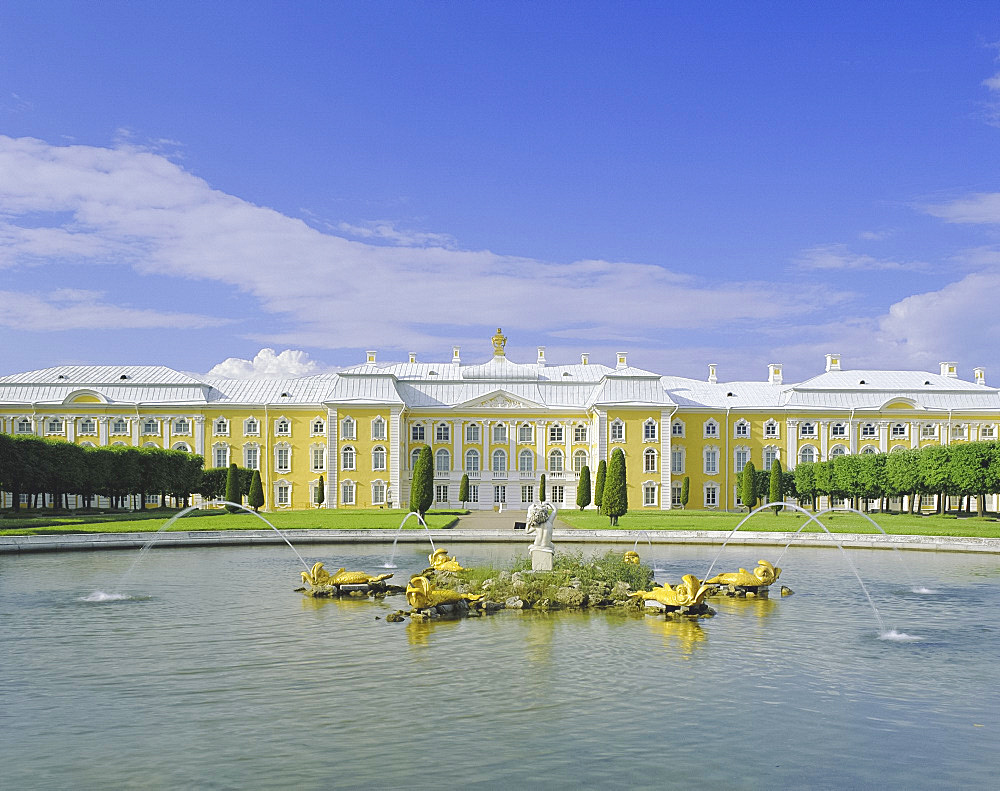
pixel 583 488
pixel 256 498
pixel 748 486
pixel 463 490
pixel 602 473
pixel 615 500
pixel 902 474
pixel 685 491
pixel 541 489
pixel 233 494
pixel 970 470
pixel 776 485
pixel 422 488
pixel 935 473
pixel 320 491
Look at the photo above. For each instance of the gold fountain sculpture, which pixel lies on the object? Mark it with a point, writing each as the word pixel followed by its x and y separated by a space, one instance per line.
pixel 440 561
pixel 319 577
pixel 632 557
pixel 764 574
pixel 689 593
pixel 421 593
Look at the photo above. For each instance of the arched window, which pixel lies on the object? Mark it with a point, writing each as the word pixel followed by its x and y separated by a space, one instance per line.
pixel 807 455
pixel 869 450
pixel 837 450
pixel 556 461
pixel 220 427
pixel 499 432
pixel 499 461
pixel 182 446
pixel 378 458
pixel 348 428
pixel 251 427
pixel 414 455
pixel 472 461
pixel 649 430
pixel 526 461
pixel 525 433
pixel 88 445
pixel 649 460
pixel 442 461
pixel 378 429
pixel 348 458
pixel 580 460
pixel 442 432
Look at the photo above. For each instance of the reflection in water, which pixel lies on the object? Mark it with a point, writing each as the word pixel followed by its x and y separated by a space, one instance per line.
pixel 759 605
pixel 683 633
pixel 418 633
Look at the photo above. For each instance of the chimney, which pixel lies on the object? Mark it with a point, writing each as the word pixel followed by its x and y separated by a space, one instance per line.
pixel 413 357
pixel 949 370
pixel 541 356
pixel 370 358
pixel 980 374
pixel 455 359
pixel 711 373
pixel 622 361
pixel 584 359
pixel 833 362
pixel 774 373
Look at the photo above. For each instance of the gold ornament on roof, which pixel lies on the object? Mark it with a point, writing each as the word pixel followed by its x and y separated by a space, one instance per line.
pixel 499 341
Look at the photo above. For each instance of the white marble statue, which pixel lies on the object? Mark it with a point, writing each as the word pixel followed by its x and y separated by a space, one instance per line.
pixel 541 519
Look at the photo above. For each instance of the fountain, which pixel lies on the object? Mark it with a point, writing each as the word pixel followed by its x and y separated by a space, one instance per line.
pixel 389 564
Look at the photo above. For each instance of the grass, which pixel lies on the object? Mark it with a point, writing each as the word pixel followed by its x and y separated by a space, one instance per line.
pixel 788 522
pixel 319 519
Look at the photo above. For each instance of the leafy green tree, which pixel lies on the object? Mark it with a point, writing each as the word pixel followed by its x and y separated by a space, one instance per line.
pixel 320 491
pixel 935 473
pixel 685 491
pixel 902 474
pixel 541 489
pixel 748 485
pixel 615 500
pixel 256 498
pixel 602 474
pixel 971 471
pixel 463 490
pixel 583 488
pixel 776 485
pixel 233 494
pixel 422 487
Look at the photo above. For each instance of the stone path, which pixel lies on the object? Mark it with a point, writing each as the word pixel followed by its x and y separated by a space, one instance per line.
pixel 491 520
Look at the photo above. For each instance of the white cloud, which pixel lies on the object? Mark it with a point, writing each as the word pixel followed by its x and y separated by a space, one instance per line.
pixel 839 257
pixel 875 236
pixel 386 230
pixel 267 365
pixel 980 207
pixel 993 83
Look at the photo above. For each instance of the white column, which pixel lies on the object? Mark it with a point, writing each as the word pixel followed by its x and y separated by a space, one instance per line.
pixel 71 429
pixel 396 449
pixel 791 435
pixel 853 426
pixel 883 436
pixel 458 463
pixel 824 438
pixel 665 476
pixel 198 427
pixel 102 430
pixel 333 458
pixel 914 434
pixel 512 442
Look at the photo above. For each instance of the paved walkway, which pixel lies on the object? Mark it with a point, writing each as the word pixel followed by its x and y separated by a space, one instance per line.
pixel 491 520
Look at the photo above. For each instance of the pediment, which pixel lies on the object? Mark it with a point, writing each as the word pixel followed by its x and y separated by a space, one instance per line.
pixel 499 399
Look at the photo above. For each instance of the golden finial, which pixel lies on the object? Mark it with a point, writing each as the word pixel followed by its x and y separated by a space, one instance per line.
pixel 499 341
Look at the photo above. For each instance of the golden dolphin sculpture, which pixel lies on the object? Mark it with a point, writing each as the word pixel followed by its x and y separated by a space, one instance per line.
pixel 764 574
pixel 688 593
pixel 421 593
pixel 631 557
pixel 319 577
pixel 440 561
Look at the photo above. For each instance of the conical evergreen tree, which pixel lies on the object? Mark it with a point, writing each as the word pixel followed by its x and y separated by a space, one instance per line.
pixel 602 474
pixel 775 489
pixel 583 488
pixel 422 488
pixel 748 486
pixel 615 500
pixel 256 499
pixel 463 490
pixel 320 491
pixel 233 493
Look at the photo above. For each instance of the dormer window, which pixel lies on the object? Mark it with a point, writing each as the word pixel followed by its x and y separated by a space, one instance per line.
pixel 123 377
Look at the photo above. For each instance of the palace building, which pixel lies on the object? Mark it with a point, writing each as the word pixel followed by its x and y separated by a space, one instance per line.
pixel 502 423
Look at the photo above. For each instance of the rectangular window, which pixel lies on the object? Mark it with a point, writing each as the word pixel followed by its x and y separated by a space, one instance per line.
pixel 347 493
pixel 580 434
pixel 742 429
pixel 527 494
pixel 442 433
pixel 441 493
pixel 649 431
pixel 284 494
pixel 677 429
pixel 555 433
pixel 251 427
pixel 348 429
pixel 152 499
pixel 282 459
pixel 558 493
pixel 417 433
pixel 676 461
pixel 838 430
pixel 675 496
pixel 499 433
pixel 711 462
pixel 378 493
pixel 472 432
pixel 928 431
pixel 868 430
pixel 742 457
pixel 711 429
pixel 499 494
pixel 222 457
pixel 649 495
pixel 617 431
pixel 711 496
pixel 770 429
pixel 319 459
pixel 958 432
pixel 251 458
pixel 770 454
pixel 474 493
pixel 378 429
pixel 986 432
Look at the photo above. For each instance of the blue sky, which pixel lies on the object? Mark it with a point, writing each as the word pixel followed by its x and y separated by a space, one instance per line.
pixel 183 183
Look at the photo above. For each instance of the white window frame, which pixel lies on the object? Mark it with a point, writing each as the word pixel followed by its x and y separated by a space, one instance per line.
pixel 807 429
pixel 379 429
pixel 119 426
pixel 649 460
pixel 349 428
pixel 838 429
pixel 317 453
pixel 928 431
pixel 317 427
pixel 812 452
pixel 473 433
pixel 649 494
pixel 581 459
pixel 616 430
pixel 417 432
pixel 556 433
pixel 741 456
pixel 710 460
pixel 770 455
pixel 580 433
pixel 282 427
pixel 380 459
pixel 150 427
pixel 442 432
pixel 557 493
pixel 220 427
pixel 283 457
pixel 181 427
pixel 88 426
pixel 556 461
pixel 498 460
pixel 282 494
pixel 378 492
pixel 525 434
pixel 439 468
pixel 348 492
pixel 677 461
pixel 472 460
pixel 869 430
pixel 55 425
pixel 710 429
pixel 526 461
pixel 676 495
pixel 837 451
pixel 710 495
pixel 441 493
pixel 527 493
pixel 251 456
pixel 220 447
pixel 25 426
pixel 348 458
pixel 677 428
pixel 251 427
pixel 741 429
pixel 499 433
pixel 500 494
pixel 771 429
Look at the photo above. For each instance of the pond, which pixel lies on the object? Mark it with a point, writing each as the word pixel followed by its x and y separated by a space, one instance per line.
pixel 215 674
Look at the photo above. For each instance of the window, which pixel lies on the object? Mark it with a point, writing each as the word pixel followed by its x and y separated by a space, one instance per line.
pixel 555 433
pixel 472 461
pixel 868 450
pixel 986 432
pixel 349 427
pixel 649 460
pixel 474 493
pixel 770 455
pixel 868 430
pixel 283 494
pixel 283 427
pixel 928 431
pixel 177 446
pixel 120 426
pixel 525 434
pixel 676 495
pixel 347 458
pixel 711 496
pixel 958 431
pixel 771 428
pixel 442 432
pixel 838 430
pixel 282 458
pixel 220 427
pixel 580 460
pixel 182 426
pixel 742 457
pixel 556 461
pixel 378 429
pixel 711 461
pixel 742 428
pixel 527 494
pixel 318 458
pixel 898 430
pixel 378 458
pixel 220 456
pixel 441 493
pixel 837 450
pixel 417 432
pixel 317 427
pixel 499 461
pixel 499 494
pixel 526 461
pixel 378 493
pixel 472 432
pixel 677 428
pixel 152 499
pixel 649 431
pixel 442 461
pixel 150 426
pixel 414 455
pixel 24 426
pixel 677 460
pixel 617 430
pixel 579 433
pixel 251 457
pixel 807 429
pixel 558 493
pixel 807 455
pixel 711 428
pixel 251 428
pixel 648 494
pixel 499 433
pixel 347 493
pixel 88 426
pixel 54 426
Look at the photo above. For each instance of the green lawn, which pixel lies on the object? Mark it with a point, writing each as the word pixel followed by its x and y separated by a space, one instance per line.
pixel 899 524
pixel 320 519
